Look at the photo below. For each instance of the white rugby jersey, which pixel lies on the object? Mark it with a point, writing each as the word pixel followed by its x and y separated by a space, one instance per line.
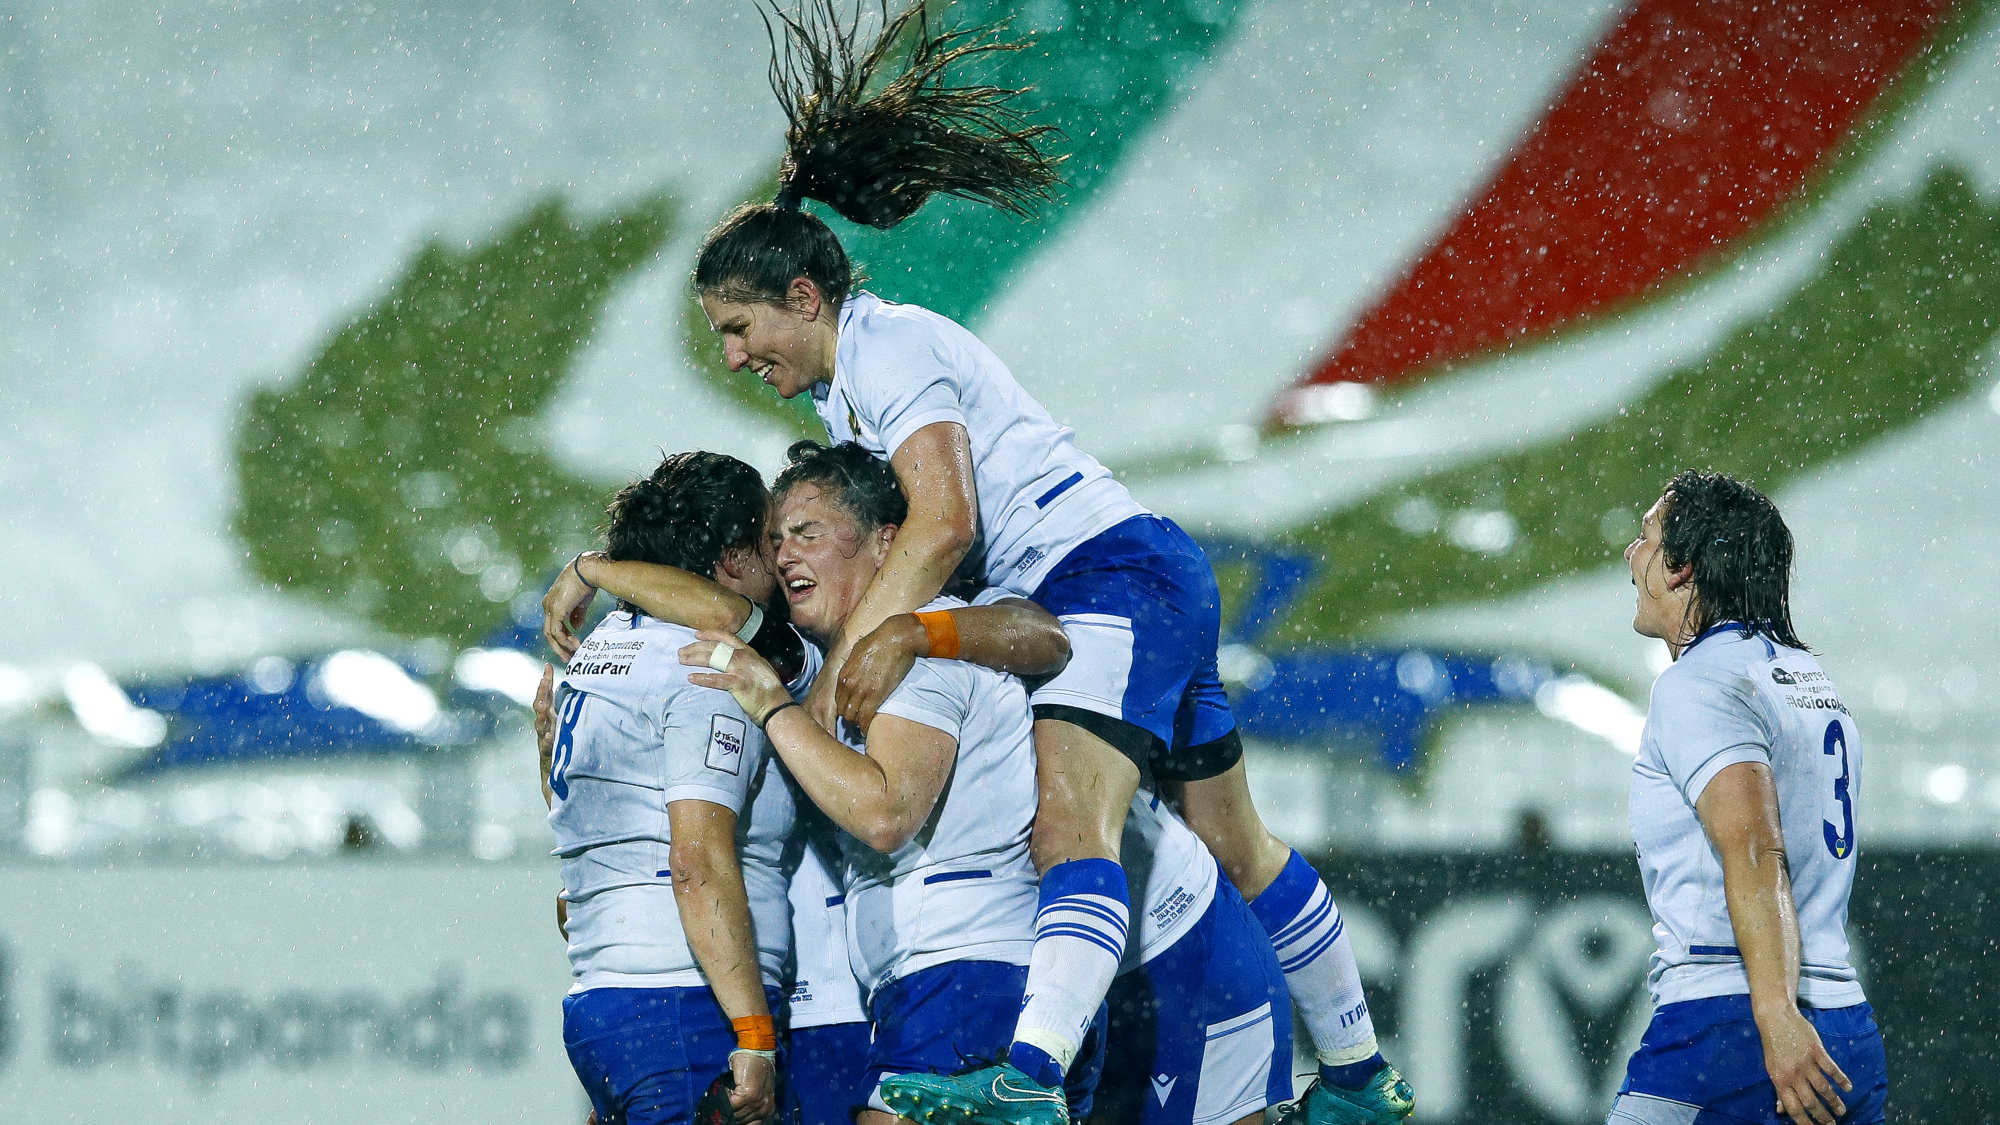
pixel 963 889
pixel 1731 699
pixel 824 988
pixel 1170 874
pixel 899 368
pixel 632 737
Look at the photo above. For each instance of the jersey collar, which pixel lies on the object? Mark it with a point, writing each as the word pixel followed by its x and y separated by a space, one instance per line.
pixel 1713 630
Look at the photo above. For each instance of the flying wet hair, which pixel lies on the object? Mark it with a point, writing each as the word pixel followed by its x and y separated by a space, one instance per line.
pixel 1741 551
pixel 874 156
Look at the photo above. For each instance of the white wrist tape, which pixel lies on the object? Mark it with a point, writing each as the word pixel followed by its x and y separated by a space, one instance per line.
pixel 751 624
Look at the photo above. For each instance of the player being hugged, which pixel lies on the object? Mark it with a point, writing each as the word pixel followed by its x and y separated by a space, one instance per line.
pixel 670 818
pixel 1744 805
pixel 934 797
pixel 997 487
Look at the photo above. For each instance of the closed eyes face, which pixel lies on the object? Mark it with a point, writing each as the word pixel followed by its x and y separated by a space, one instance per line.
pixel 825 560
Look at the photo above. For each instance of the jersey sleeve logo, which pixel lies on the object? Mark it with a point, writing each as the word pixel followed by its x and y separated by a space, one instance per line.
pixel 725 744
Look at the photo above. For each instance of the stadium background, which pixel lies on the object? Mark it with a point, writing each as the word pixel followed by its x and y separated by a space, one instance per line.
pixel 332 326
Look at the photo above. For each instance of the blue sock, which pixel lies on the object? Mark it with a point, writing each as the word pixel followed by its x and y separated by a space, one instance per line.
pixel 1355 1075
pixel 1036 1064
pixel 1079 938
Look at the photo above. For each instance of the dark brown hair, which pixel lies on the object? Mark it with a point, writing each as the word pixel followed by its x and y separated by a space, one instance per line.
pixel 874 157
pixel 1741 552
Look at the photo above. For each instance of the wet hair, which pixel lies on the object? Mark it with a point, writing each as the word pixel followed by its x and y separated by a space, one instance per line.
pixel 1741 552
pixel 873 156
pixel 860 482
pixel 691 510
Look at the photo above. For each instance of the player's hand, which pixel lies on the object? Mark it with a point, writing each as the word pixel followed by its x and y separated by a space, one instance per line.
pixel 755 1097
pixel 746 676
pixel 1804 1074
pixel 563 608
pixel 876 666
pixel 545 726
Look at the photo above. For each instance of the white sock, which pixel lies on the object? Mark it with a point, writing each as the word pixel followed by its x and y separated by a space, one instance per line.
pixel 1318 959
pixel 1079 938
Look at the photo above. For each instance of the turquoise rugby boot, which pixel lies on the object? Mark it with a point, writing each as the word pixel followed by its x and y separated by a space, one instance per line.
pixel 994 1095
pixel 1385 1100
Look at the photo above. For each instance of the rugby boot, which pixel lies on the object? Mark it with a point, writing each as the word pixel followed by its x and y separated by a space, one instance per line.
pixel 993 1095
pixel 1385 1100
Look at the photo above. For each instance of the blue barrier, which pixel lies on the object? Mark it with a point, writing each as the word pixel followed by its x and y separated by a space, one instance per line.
pixel 1383 696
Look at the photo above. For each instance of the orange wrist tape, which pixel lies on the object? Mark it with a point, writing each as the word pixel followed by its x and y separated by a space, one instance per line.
pixel 755 1033
pixel 942 631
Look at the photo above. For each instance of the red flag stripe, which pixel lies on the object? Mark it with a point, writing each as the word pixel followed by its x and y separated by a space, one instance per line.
pixel 1691 122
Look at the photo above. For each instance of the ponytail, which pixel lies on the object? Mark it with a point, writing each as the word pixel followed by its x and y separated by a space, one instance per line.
pixel 872 157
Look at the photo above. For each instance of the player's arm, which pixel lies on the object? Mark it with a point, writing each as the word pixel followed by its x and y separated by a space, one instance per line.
pixel 665 593
pixel 1739 812
pixel 715 916
pixel 882 797
pixel 1015 636
pixel 934 468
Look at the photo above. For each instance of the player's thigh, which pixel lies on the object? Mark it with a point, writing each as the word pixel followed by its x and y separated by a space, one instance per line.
pixel 1216 1022
pixel 1851 1037
pixel 828 1072
pixel 1084 787
pixel 645 1055
pixel 1220 810
pixel 1702 1061
pixel 936 1020
pixel 1143 616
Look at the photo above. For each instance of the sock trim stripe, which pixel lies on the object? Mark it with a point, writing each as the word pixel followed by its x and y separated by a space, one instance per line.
pixel 1100 902
pixel 1084 933
pixel 1315 911
pixel 1327 919
pixel 1300 961
pixel 1088 909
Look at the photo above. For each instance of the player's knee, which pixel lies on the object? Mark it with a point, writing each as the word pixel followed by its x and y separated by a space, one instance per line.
pixel 1063 833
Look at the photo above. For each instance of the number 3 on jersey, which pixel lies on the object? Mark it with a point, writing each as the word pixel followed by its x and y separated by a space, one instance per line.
pixel 565 748
pixel 1840 841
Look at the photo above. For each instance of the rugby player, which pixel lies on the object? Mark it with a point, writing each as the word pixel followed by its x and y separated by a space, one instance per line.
pixel 934 797
pixel 1221 1045
pixel 1745 803
pixel 996 485
pixel 671 820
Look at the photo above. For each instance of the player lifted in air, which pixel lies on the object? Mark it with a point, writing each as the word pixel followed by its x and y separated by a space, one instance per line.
pixel 1220 1045
pixel 995 484
pixel 1744 805
pixel 671 820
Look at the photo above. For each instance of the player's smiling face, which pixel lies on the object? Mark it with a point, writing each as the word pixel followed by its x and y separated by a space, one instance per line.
pixel 787 345
pixel 825 560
